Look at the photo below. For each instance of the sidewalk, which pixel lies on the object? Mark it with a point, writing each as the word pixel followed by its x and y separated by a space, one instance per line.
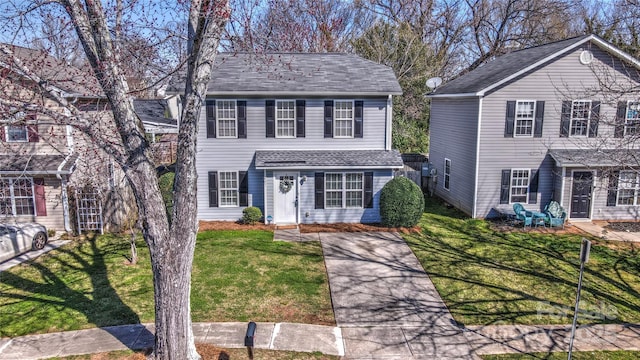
pixel 597 230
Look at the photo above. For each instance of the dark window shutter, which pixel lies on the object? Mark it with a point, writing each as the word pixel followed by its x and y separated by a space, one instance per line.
pixel 595 118
pixel 510 119
pixel 244 188
pixel 41 200
pixel 539 119
pixel 612 192
pixel 533 187
pixel 621 115
pixel 300 113
pixel 213 189
pixel 32 133
pixel 368 190
pixel 2 134
pixel 242 119
pixel 211 118
pixel 328 118
pixel 270 117
pixel 565 119
pixel 358 117
pixel 319 186
pixel 505 186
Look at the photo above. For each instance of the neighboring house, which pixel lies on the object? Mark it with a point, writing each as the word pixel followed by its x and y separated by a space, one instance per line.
pixel 552 122
pixel 304 137
pixel 43 158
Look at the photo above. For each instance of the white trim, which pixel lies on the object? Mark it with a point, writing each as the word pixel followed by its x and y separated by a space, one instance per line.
pixel 445 174
pixel 474 209
pixel 343 190
pixel 6 134
pixel 265 200
pixel 218 119
pixel 635 188
pixel 298 94
pixel 295 119
pixel 353 118
pixel 533 119
pixel 464 95
pixel 320 167
pixel 591 201
pixel 573 102
pixel 276 184
pixel 563 184
pixel 529 172
pixel 626 119
pixel 389 128
pixel 237 205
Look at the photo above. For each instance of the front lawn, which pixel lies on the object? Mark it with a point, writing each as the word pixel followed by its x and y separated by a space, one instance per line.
pixel 237 276
pixel 487 276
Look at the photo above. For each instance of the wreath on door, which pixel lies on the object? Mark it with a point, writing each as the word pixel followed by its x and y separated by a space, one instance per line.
pixel 286 184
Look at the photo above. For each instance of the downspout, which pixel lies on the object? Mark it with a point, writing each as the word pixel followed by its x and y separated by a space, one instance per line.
pixel 475 187
pixel 389 123
pixel 63 180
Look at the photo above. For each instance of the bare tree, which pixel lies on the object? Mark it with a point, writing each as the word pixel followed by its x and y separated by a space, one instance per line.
pixel 171 245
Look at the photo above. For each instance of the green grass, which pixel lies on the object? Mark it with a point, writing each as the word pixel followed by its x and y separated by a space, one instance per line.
pixel 490 277
pixel 585 355
pixel 237 276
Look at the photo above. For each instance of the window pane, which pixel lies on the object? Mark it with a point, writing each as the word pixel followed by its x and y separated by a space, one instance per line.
pixel 343 119
pixel 354 199
pixel 519 185
pixel 17 132
pixel 333 199
pixel 16 194
pixel 632 120
pixel 580 111
pixel 333 181
pixel 354 181
pixel 286 118
pixel 226 117
pixel 228 188
pixel 525 111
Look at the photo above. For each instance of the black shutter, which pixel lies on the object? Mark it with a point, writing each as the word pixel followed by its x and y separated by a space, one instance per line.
pixel 539 119
pixel 612 192
pixel 270 117
pixel 244 188
pixel 358 117
pixel 505 186
pixel 213 189
pixel 621 115
pixel 242 119
pixel 565 119
pixel 300 113
pixel 533 187
pixel 368 190
pixel 319 185
pixel 211 118
pixel 328 118
pixel 595 118
pixel 510 119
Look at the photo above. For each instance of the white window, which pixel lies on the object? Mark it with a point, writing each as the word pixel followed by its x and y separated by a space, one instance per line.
pixel 227 118
pixel 525 116
pixel 628 188
pixel 344 190
pixel 447 173
pixel 286 118
pixel 16 133
pixel 632 118
pixel 519 185
pixel 343 119
pixel 16 196
pixel 580 116
pixel 228 188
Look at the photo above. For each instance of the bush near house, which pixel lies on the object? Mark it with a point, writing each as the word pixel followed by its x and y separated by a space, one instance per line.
pixel 401 203
pixel 251 215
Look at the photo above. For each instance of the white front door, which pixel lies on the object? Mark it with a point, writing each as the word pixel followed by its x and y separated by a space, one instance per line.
pixel 285 197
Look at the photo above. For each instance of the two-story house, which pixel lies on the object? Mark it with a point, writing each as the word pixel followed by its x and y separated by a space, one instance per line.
pixel 552 122
pixel 304 137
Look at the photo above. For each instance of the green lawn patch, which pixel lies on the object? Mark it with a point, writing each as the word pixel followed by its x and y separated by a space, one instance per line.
pixel 486 276
pixel 584 355
pixel 237 276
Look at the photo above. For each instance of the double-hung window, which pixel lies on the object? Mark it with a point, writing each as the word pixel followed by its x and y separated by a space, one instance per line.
pixel 227 118
pixel 632 118
pixel 16 196
pixel 525 117
pixel 447 173
pixel 519 185
pixel 286 118
pixel 228 187
pixel 17 133
pixel 628 188
pixel 580 117
pixel 343 119
pixel 344 190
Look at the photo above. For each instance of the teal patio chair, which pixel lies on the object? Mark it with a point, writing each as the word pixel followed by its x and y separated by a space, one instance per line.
pixel 522 214
pixel 556 215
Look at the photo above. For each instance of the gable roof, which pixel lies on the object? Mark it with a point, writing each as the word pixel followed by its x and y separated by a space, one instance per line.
pixel 68 78
pixel 152 111
pixel 509 66
pixel 312 74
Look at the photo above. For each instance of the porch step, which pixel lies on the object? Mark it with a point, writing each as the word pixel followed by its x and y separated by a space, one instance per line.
pixel 287 227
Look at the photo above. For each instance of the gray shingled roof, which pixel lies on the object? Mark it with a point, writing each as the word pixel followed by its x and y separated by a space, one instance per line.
pixel 595 157
pixel 153 111
pixel 328 158
pixel 297 74
pixel 36 164
pixel 504 66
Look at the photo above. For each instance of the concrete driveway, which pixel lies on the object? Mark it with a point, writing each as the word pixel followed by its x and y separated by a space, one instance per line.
pixel 384 301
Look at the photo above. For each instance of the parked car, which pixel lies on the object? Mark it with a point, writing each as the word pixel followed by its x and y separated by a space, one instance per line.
pixel 16 239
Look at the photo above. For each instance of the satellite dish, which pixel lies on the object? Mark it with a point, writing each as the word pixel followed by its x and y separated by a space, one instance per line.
pixel 434 82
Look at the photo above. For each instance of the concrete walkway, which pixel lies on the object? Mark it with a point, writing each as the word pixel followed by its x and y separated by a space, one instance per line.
pixel 30 255
pixel 597 229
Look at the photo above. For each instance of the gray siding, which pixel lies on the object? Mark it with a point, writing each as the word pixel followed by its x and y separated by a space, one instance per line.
pixel 453 132
pixel 563 79
pixel 216 154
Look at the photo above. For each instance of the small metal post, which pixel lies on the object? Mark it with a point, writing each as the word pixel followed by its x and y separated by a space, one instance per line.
pixel 584 257
pixel 249 338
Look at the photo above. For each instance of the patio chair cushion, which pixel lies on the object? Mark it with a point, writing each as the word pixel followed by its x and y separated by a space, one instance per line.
pixel 554 209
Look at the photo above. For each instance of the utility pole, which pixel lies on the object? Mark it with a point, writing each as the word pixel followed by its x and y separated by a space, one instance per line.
pixel 584 257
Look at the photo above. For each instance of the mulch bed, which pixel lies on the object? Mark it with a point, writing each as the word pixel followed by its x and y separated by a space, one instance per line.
pixel 624 226
pixel 509 225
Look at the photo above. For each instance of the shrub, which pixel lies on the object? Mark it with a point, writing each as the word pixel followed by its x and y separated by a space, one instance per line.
pixel 251 215
pixel 401 203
